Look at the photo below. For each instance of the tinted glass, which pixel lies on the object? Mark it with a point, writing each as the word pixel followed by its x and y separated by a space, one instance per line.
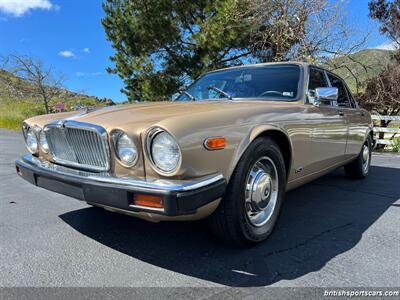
pixel 343 99
pixel 276 82
pixel 351 98
pixel 317 79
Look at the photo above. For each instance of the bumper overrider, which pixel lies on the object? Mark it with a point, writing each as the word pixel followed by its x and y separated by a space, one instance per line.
pixel 177 197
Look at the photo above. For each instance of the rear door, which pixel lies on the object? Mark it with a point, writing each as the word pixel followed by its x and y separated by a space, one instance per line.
pixel 329 134
pixel 355 117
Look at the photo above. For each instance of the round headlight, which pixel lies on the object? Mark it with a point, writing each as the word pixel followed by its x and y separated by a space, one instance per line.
pixel 43 141
pixel 165 152
pixel 31 141
pixel 125 149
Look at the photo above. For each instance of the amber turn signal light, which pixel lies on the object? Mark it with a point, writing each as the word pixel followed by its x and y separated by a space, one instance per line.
pixel 215 143
pixel 148 200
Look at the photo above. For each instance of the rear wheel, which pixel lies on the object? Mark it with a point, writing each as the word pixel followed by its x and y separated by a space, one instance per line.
pixel 359 168
pixel 249 210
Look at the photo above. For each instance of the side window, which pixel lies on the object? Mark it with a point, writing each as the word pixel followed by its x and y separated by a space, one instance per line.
pixel 351 98
pixel 343 98
pixel 317 79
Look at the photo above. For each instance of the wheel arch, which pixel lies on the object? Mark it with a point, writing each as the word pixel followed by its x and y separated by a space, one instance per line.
pixel 369 133
pixel 279 135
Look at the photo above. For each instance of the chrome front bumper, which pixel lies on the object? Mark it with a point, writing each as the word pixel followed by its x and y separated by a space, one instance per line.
pixel 180 197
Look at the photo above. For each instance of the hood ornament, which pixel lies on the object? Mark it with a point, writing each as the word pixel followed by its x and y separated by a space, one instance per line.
pixel 61 123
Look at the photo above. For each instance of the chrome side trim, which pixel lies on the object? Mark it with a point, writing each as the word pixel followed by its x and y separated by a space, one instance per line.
pixel 130 212
pixel 35 163
pixel 146 208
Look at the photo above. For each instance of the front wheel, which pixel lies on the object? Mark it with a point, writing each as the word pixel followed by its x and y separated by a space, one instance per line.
pixel 249 210
pixel 359 168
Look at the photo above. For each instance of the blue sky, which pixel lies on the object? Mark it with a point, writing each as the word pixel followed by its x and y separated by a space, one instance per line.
pixel 68 34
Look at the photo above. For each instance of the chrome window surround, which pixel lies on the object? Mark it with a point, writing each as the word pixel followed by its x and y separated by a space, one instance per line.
pixel 151 134
pixel 84 126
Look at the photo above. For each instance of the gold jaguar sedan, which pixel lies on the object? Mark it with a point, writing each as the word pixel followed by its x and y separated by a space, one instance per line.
pixel 227 148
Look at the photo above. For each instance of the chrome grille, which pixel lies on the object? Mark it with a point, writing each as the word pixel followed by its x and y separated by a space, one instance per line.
pixel 78 145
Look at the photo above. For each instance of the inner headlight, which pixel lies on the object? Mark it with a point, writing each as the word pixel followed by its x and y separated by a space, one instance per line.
pixel 31 141
pixel 125 148
pixel 164 151
pixel 43 141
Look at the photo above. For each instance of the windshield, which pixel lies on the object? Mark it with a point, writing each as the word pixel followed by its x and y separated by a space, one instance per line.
pixel 273 82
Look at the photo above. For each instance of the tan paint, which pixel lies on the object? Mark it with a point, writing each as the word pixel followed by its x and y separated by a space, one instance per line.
pixel 319 139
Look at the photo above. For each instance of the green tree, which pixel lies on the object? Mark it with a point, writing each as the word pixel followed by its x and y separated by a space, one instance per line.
pixel 162 45
pixel 382 93
pixel 387 12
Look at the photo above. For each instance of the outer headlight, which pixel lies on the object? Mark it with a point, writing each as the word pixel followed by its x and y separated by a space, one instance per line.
pixel 164 151
pixel 43 141
pixel 125 148
pixel 31 141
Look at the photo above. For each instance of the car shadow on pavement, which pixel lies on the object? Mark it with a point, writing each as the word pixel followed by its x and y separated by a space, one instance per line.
pixel 318 222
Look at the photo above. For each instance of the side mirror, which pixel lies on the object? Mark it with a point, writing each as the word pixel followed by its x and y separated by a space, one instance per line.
pixel 326 96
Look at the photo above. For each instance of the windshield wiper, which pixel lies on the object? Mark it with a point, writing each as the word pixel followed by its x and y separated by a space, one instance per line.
pixel 220 91
pixel 191 97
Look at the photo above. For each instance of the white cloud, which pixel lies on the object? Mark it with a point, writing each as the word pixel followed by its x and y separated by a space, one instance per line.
pixel 18 8
pixel 66 53
pixel 86 50
pixel 85 74
pixel 388 46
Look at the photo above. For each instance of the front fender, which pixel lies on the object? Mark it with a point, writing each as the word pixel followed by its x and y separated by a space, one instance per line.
pixel 255 132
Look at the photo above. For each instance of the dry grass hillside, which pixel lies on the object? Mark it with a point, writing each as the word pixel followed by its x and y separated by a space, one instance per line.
pixel 364 64
pixel 19 101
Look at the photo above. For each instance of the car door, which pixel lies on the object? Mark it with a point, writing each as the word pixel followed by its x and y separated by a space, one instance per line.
pixel 329 135
pixel 355 117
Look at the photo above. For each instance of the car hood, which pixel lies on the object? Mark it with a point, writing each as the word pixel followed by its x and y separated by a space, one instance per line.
pixel 142 115
pixel 149 112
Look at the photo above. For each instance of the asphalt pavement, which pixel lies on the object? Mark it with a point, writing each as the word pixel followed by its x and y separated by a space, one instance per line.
pixel 333 232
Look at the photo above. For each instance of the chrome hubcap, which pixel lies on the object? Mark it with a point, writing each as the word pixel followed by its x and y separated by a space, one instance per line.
pixel 261 192
pixel 365 155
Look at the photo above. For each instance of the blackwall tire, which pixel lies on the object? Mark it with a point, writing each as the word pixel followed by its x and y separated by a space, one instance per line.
pixel 359 168
pixel 250 208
